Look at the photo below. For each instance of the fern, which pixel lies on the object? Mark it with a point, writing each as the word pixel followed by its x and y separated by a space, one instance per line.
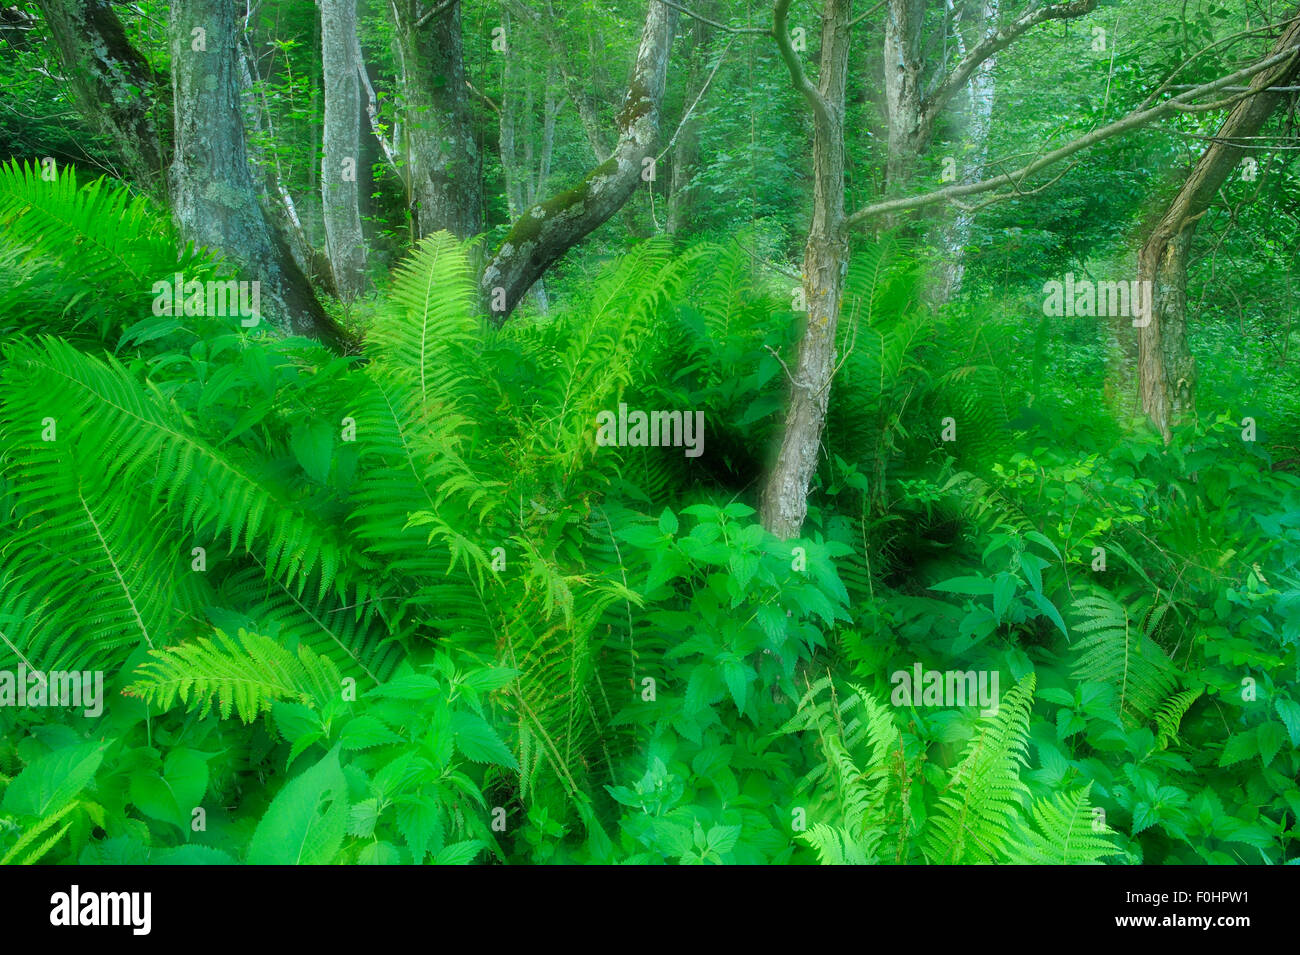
pixel 975 818
pixel 1170 715
pixel 1063 833
pixel 81 257
pixel 243 674
pixel 1114 650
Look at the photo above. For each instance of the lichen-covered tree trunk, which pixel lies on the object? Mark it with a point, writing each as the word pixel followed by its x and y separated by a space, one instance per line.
pixel 213 197
pixel 1166 369
pixel 553 226
pixel 785 493
pixel 341 167
pixel 111 82
pixel 443 160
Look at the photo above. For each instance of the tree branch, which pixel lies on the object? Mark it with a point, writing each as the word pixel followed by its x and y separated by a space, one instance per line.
pixel 1132 121
pixel 440 8
pixel 714 23
pixel 781 34
pixel 994 43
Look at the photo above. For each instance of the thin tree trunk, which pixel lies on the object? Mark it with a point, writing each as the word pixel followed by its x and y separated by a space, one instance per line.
pixel 443 161
pixel 955 233
pixel 214 200
pixel 785 494
pixel 111 82
pixel 553 226
pixel 1166 370
pixel 341 168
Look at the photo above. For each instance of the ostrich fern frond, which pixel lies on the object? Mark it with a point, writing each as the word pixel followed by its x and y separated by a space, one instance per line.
pixel 243 674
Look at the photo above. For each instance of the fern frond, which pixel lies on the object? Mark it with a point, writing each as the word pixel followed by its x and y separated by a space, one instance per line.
pixel 974 819
pixel 243 674
pixel 1062 833
pixel 1113 649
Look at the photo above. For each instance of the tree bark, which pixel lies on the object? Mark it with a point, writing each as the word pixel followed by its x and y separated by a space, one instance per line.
pixel 553 226
pixel 908 130
pixel 341 168
pixel 1166 369
pixel 785 494
pixel 955 232
pixel 110 81
pixel 443 161
pixel 213 197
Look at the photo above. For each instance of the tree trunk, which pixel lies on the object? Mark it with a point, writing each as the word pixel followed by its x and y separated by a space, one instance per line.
pixel 955 233
pixel 785 494
pixel 1166 370
pixel 110 81
pixel 908 129
pixel 213 198
pixel 553 226
pixel 443 161
pixel 341 168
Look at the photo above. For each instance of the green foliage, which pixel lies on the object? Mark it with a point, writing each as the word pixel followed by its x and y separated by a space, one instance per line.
pixel 403 608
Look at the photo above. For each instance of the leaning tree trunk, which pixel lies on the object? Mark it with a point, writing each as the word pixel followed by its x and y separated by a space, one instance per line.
pixel 341 162
pixel 785 494
pixel 110 81
pixel 1166 370
pixel 443 161
pixel 553 226
pixel 213 197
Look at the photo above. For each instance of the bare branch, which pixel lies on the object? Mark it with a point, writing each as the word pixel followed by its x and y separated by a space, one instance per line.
pixel 1132 121
pixel 997 41
pixel 801 82
pixel 714 23
pixel 703 89
pixel 440 8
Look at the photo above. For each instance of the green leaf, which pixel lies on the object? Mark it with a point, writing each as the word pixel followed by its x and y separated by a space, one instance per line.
pixel 668 522
pixel 1239 746
pixel 479 742
pixel 51 781
pixel 459 853
pixel 306 822
pixel 1289 711
pixel 1271 735
pixel 365 732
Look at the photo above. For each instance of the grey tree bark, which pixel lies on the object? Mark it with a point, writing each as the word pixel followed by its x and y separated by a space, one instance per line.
pixel 443 161
pixel 111 83
pixel 213 198
pixel 914 102
pixel 785 493
pixel 955 231
pixel 553 226
pixel 341 166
